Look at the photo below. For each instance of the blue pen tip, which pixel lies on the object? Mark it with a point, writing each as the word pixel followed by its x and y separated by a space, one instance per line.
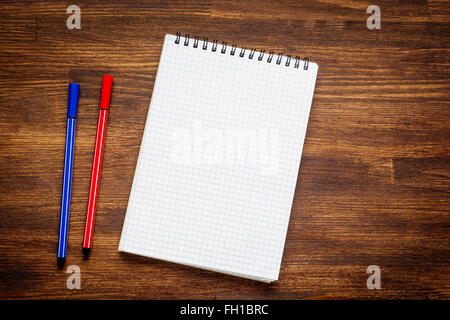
pixel 61 261
pixel 72 106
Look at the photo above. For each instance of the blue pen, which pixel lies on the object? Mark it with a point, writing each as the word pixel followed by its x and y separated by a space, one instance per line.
pixel 74 89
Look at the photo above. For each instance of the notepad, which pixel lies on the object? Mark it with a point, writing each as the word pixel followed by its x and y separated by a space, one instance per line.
pixel 219 159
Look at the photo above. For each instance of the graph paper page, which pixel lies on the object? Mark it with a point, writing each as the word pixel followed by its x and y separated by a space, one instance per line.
pixel 219 159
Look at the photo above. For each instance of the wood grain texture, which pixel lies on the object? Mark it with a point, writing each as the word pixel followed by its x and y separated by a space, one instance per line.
pixel 373 186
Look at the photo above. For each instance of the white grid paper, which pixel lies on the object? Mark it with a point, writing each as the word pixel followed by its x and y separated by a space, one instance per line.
pixel 223 217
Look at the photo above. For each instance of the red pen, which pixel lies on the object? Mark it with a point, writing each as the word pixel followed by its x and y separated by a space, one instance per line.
pixel 97 162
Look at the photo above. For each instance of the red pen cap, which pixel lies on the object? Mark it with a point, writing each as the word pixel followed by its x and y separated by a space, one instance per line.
pixel 106 91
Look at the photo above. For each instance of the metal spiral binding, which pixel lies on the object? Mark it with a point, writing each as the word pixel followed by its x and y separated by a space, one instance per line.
pixel 224 47
pixel 297 62
pixel 280 56
pixel 305 66
pixel 233 49
pixel 261 55
pixel 196 41
pixel 288 60
pixel 242 51
pixel 252 52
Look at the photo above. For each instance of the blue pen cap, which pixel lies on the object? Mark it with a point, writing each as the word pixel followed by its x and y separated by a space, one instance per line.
pixel 72 105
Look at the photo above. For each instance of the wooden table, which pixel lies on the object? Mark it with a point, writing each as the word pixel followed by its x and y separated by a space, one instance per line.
pixel 373 186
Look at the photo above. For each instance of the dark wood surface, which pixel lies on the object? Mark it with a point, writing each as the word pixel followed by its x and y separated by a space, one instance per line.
pixel 373 187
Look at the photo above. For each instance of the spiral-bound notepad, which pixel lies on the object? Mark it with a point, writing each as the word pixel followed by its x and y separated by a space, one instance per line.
pixel 218 164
